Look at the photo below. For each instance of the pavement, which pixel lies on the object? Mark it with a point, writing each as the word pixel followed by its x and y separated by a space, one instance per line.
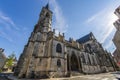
pixel 102 76
pixel 4 76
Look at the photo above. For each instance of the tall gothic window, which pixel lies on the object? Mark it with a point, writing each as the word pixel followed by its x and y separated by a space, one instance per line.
pixel 59 48
pixel 83 58
pixel 89 61
pixel 93 59
pixel 89 48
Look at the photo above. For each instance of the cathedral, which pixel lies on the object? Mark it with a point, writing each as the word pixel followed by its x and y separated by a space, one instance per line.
pixel 46 55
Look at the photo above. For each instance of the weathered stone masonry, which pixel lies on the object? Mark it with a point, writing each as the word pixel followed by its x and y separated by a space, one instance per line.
pixel 47 55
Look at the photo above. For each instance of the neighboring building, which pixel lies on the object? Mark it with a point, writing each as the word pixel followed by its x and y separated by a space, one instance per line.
pixel 2 58
pixel 116 38
pixel 116 57
pixel 47 55
pixel 93 48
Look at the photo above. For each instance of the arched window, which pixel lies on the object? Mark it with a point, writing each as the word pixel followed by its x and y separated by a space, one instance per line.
pixel 59 48
pixel 83 58
pixel 89 61
pixel 89 47
pixel 59 63
pixel 47 15
pixel 93 59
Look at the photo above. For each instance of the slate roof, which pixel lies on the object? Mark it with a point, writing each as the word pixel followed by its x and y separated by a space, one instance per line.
pixel 85 38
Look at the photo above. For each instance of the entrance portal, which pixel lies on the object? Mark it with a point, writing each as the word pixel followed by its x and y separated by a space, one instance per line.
pixel 74 63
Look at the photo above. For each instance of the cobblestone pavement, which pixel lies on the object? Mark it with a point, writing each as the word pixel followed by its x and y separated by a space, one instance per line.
pixel 95 77
pixel 102 76
pixel 3 78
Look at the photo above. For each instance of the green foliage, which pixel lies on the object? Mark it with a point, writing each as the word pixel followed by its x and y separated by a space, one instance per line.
pixel 9 61
pixel 0 70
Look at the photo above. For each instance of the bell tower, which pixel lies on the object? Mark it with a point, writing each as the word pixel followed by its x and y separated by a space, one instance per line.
pixel 34 61
pixel 45 20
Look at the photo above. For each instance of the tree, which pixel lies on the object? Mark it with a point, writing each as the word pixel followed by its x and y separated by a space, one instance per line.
pixel 10 60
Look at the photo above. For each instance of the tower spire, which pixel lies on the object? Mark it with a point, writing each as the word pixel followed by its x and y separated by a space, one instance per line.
pixel 47 5
pixel 45 19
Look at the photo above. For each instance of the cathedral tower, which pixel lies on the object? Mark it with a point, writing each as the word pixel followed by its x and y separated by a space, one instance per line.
pixel 35 60
pixel 45 19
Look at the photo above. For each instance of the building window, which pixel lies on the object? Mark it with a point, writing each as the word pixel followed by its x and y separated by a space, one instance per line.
pixel 59 63
pixel 83 58
pixel 89 48
pixel 48 15
pixel 59 48
pixel 93 59
pixel 89 61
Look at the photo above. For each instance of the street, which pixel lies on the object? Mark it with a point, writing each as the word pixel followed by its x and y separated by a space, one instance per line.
pixel 102 76
pixel 3 76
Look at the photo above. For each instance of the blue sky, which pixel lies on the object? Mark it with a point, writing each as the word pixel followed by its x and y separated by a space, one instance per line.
pixel 75 18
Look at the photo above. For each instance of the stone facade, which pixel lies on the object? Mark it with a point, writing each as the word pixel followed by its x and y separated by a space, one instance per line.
pixel 117 57
pixel 116 38
pixel 47 55
pixel 2 58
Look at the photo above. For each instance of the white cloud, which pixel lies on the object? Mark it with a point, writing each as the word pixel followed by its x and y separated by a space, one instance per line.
pixel 102 23
pixel 4 35
pixel 8 29
pixel 7 20
pixel 93 18
pixel 60 22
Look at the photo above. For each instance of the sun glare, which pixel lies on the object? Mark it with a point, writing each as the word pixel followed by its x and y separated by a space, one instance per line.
pixel 111 19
